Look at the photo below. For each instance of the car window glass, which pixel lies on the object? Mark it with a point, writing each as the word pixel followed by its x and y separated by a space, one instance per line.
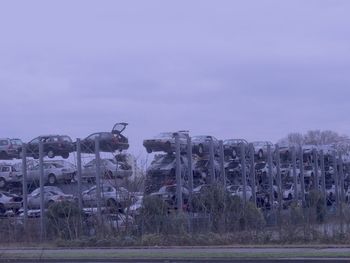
pixel 3 142
pixel 5 169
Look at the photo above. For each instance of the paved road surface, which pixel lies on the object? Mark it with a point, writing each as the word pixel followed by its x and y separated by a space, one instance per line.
pixel 207 254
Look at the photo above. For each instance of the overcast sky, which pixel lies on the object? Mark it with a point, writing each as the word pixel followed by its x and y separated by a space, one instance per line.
pixel 233 69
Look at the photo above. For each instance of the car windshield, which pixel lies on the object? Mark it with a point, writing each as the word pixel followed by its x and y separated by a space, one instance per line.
pixel 308 167
pixel 47 189
pixel 16 141
pixel 166 159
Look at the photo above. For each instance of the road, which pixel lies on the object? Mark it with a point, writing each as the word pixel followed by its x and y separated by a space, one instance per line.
pixel 183 254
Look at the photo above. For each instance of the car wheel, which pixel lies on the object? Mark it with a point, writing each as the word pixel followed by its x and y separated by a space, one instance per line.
pixel 149 150
pixel 200 150
pixel 260 154
pixel 52 179
pixel 2 182
pixel 51 154
pixel 65 155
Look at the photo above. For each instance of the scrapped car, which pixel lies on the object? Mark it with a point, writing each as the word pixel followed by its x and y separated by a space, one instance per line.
pixel 111 196
pixel 262 171
pixel 202 170
pixel 9 202
pixel 201 145
pixel 165 142
pixel 237 190
pixel 232 147
pixel 52 194
pixel 260 148
pixel 9 175
pixel 168 194
pixel 163 171
pixel 53 145
pixel 108 141
pixel 10 148
pixel 110 168
pixel 53 173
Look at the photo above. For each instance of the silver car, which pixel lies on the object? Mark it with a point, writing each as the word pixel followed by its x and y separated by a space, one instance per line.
pixel 53 173
pixel 9 201
pixel 52 195
pixel 260 148
pixel 9 148
pixel 110 196
pixel 109 168
pixel 9 175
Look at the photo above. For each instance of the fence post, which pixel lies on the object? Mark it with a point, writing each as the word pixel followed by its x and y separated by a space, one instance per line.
pixel 42 200
pixel 269 160
pixel 24 185
pixel 279 179
pixel 341 177
pixel 252 171
pixel 323 178
pixel 295 175
pixel 79 172
pixel 98 178
pixel 336 181
pixel 244 173
pixel 178 173
pixel 211 161
pixel 302 180
pixel 316 181
pixel 222 163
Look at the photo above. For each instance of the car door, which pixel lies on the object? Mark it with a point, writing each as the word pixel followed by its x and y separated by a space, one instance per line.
pixel 91 197
pixel 33 147
pixel 89 170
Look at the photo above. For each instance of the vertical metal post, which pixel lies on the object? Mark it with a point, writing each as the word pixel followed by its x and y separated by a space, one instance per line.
pixel 190 169
pixel 279 179
pixel 252 171
pixel 244 173
pixel 98 178
pixel 79 172
pixel 315 179
pixel 211 161
pixel 302 180
pixel 269 161
pixel 295 175
pixel 24 185
pixel 222 163
pixel 323 178
pixel 178 173
pixel 336 181
pixel 341 178
pixel 42 200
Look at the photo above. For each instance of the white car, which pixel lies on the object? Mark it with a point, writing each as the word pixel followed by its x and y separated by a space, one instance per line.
pixel 110 196
pixel 53 173
pixel 52 194
pixel 262 169
pixel 9 175
pixel 260 148
pixel 237 190
pixel 109 168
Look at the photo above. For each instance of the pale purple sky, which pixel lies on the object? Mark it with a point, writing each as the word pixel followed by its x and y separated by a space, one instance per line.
pixel 234 69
